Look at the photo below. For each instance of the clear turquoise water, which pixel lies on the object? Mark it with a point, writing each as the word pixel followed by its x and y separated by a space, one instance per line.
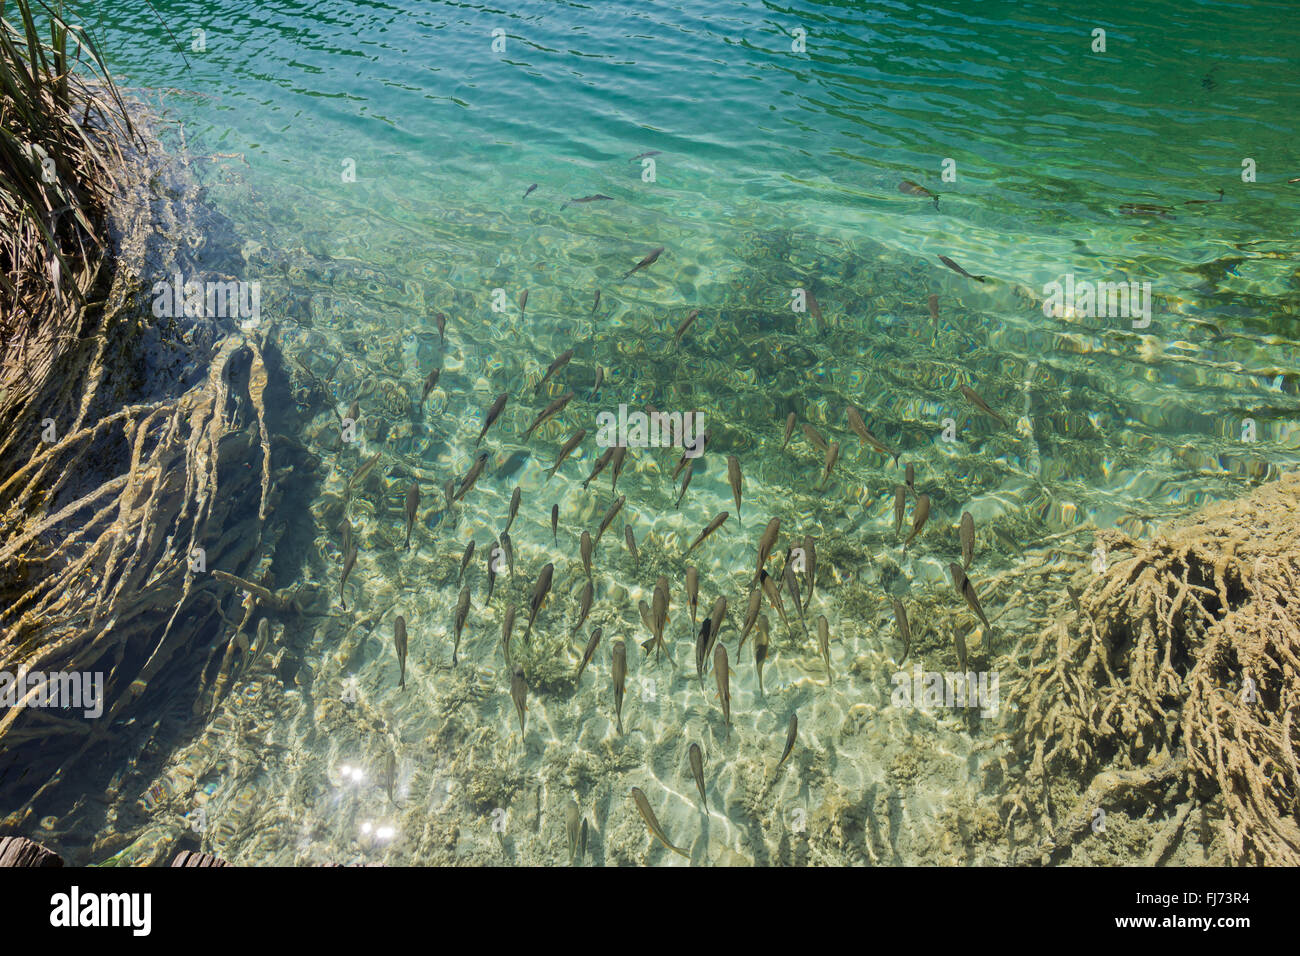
pixel 776 169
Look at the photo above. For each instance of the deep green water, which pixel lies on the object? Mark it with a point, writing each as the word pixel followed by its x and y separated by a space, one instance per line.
pixel 775 169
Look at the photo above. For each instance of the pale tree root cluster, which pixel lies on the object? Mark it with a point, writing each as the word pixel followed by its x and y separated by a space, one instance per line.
pixel 1175 681
pixel 114 515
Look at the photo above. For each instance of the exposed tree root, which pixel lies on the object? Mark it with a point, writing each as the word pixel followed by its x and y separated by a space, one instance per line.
pixel 1182 667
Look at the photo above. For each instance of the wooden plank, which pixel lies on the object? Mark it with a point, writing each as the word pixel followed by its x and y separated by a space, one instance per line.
pixel 20 851
pixel 191 858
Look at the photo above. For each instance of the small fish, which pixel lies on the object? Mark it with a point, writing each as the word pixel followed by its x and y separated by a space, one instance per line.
pixel 620 454
pixel 714 525
pixel 508 547
pixel 549 412
pixel 540 590
pixel 860 428
pixel 959 270
pixel 519 694
pixel 555 523
pixel 933 302
pixel 967 535
pixel 967 590
pixel 648 260
pixel 507 629
pixel 1145 210
pixel 760 651
pixel 981 404
pixel 1205 202
pixel 399 639
pixel 462 614
pixel 697 771
pixel 526 192
pixel 773 593
pixel 515 497
pixel 465 560
pixel 359 476
pixel 686 324
pixel 919 515
pixel 659 613
pixel 472 477
pixel 494 554
pixel 766 543
pixel 649 816
pixel 561 360
pixel 698 449
pixel 587 652
pixel 701 649
pixel 600 378
pixel 630 540
pixel 789 429
pixel 572 819
pixel 751 615
pixel 600 466
pixel 900 507
pixel 584 549
pixel 824 644
pixel 735 478
pixel 692 591
pixel 962 658
pixel 349 559
pixel 686 483
pixel 904 629
pixel 832 456
pixel 354 410
pixel 440 320
pixel 430 384
pixel 614 509
pixel 653 152
pixel 523 301
pixel 346 528
pixel 909 188
pixel 717 618
pixel 619 674
pixel 584 605
pixel 449 492
pixel 595 197
pixel 390 776
pixel 814 438
pixel 596 304
pixel 790 735
pixel 792 588
pixel 412 502
pixel 491 416
pixel 566 450
pixel 810 560
pixel 909 478
pixel 722 674
pixel 649 624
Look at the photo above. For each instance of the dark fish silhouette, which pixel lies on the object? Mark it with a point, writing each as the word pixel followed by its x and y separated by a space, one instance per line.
pixel 529 190
pixel 909 188
pixel 399 640
pixel 653 823
pixel 697 771
pixel 648 260
pixel 595 197
pixel 492 415
pixel 959 270
pixel 561 360
pixel 982 405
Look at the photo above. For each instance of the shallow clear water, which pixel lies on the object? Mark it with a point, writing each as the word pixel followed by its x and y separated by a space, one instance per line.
pixel 775 170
